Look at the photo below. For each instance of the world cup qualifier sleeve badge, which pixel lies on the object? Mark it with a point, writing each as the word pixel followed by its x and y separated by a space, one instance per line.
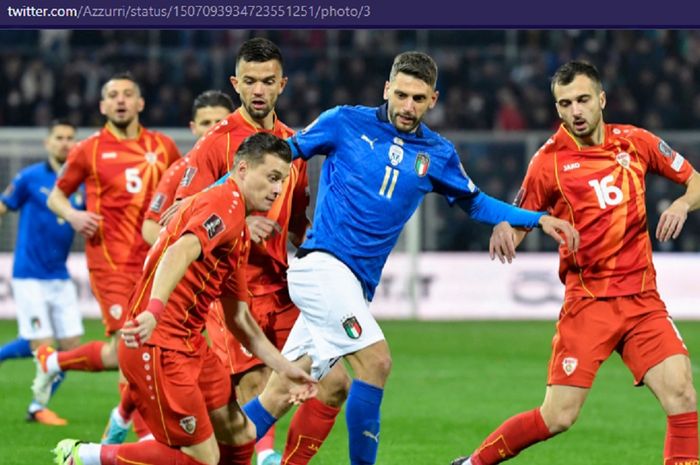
pixel 352 327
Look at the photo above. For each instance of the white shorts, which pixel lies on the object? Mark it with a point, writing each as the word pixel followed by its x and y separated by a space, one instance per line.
pixel 47 308
pixel 335 319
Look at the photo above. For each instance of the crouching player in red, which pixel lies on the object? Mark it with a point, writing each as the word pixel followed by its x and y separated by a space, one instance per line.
pixel 180 387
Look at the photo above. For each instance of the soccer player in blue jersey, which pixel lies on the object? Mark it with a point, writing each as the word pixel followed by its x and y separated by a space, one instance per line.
pixel 46 298
pixel 380 164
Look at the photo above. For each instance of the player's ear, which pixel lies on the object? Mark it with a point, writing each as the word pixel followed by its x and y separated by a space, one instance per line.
pixel 434 99
pixel 386 90
pixel 234 83
pixel 141 105
pixel 193 126
pixel 603 99
pixel 102 108
pixel 283 83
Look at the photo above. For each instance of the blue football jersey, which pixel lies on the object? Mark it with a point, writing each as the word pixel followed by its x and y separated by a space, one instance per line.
pixel 43 239
pixel 373 179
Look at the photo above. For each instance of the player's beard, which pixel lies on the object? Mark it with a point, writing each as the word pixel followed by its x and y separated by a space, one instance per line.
pixel 259 114
pixel 121 125
pixel 394 117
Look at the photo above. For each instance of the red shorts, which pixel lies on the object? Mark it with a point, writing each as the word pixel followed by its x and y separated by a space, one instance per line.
pixel 638 327
pixel 274 312
pixel 174 391
pixel 112 289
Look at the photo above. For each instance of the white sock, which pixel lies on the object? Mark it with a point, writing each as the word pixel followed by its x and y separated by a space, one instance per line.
pixel 90 453
pixel 35 407
pixel 52 363
pixel 123 423
pixel 262 455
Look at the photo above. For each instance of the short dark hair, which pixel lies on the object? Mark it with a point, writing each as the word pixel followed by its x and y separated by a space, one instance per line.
pixel 122 75
pixel 417 64
pixel 259 50
pixel 212 98
pixel 255 147
pixel 60 122
pixel 567 72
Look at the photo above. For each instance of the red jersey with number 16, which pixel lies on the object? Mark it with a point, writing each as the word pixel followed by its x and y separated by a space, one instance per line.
pixel 600 190
pixel 120 176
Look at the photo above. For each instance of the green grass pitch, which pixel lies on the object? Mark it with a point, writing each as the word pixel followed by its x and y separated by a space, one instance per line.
pixel 452 383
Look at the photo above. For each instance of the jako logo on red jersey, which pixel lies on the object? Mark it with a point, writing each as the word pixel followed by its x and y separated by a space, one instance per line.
pixel 571 166
pixel 214 225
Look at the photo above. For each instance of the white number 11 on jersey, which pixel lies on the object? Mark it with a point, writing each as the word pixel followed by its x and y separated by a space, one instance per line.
pixel 389 173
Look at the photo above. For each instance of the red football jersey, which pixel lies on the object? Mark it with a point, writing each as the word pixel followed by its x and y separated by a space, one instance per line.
pixel 164 195
pixel 212 157
pixel 120 176
pixel 600 190
pixel 217 217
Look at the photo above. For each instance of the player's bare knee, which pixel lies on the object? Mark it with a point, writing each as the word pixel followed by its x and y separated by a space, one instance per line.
pixel 559 419
pixel 683 396
pixel 334 388
pixel 109 356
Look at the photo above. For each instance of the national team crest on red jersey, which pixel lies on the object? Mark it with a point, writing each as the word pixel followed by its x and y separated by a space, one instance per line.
pixel 352 327
pixel 569 365
pixel 623 158
pixel 422 164
pixel 188 424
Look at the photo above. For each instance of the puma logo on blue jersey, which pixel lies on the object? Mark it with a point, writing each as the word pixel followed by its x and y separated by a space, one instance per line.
pixel 369 141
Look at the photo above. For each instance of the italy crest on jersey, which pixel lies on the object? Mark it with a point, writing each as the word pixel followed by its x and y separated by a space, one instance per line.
pixel 352 327
pixel 422 164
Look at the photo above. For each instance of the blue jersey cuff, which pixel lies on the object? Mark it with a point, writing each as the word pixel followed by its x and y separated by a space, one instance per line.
pixel 489 210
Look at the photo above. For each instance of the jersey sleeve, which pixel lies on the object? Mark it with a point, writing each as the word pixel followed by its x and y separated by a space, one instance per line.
pixel 453 181
pixel 318 138
pixel 208 218
pixel 164 195
pixel 203 169
pixel 16 192
pixel 298 221
pixel 75 170
pixel 535 192
pixel 662 159
pixel 236 286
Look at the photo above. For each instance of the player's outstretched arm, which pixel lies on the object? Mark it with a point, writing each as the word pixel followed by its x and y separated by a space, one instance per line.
pixel 244 328
pixel 673 218
pixel 561 231
pixel 504 240
pixel 85 222
pixel 172 267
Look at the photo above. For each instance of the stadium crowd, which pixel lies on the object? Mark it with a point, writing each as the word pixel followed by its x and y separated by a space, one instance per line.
pixel 490 80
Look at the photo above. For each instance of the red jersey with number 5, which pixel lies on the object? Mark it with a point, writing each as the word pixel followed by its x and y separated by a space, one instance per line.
pixel 120 176
pixel 600 190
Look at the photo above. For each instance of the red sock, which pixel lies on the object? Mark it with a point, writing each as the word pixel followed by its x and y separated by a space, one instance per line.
pixel 140 427
pixel 144 453
pixel 514 435
pixel 681 445
pixel 236 455
pixel 266 442
pixel 310 426
pixel 126 404
pixel 87 357
pixel 127 409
